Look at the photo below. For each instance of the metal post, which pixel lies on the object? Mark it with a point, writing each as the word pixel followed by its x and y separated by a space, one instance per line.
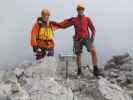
pixel 66 68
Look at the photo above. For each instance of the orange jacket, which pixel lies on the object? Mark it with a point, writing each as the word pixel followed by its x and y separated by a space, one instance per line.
pixel 35 32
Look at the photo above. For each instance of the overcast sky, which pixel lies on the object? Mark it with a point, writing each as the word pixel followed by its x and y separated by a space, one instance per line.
pixel 113 20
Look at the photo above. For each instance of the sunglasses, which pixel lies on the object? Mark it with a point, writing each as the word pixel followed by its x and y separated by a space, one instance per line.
pixel 79 9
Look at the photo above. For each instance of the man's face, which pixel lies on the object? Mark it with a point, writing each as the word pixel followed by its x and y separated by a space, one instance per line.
pixel 45 18
pixel 80 12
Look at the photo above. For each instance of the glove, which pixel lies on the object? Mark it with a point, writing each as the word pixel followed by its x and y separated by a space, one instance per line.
pixel 35 48
pixel 92 39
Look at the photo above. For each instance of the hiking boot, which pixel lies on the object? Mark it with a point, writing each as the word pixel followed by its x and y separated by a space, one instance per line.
pixel 96 71
pixel 79 72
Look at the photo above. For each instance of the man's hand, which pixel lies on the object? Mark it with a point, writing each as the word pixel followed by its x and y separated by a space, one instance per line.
pixel 35 48
pixel 53 22
pixel 92 38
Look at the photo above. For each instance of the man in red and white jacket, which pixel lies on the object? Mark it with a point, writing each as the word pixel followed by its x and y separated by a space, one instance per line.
pixel 83 25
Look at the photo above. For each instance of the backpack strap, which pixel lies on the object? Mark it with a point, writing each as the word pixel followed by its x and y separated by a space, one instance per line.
pixel 39 22
pixel 38 31
pixel 51 28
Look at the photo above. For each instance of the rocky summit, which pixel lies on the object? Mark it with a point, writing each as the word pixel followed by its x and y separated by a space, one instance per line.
pixel 119 70
pixel 45 80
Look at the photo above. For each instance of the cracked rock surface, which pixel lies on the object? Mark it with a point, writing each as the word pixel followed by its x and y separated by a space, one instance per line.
pixel 45 80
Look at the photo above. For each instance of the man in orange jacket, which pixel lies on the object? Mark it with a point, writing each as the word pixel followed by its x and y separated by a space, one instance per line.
pixel 83 25
pixel 42 35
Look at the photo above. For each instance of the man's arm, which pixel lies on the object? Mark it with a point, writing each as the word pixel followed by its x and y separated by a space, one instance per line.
pixel 34 33
pixel 92 28
pixel 64 24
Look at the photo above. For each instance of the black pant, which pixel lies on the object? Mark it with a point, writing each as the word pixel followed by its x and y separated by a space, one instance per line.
pixel 48 51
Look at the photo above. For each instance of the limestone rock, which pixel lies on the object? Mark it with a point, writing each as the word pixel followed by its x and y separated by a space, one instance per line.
pixel 36 82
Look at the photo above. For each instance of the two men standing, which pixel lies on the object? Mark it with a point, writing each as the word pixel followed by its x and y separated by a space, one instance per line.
pixel 82 25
